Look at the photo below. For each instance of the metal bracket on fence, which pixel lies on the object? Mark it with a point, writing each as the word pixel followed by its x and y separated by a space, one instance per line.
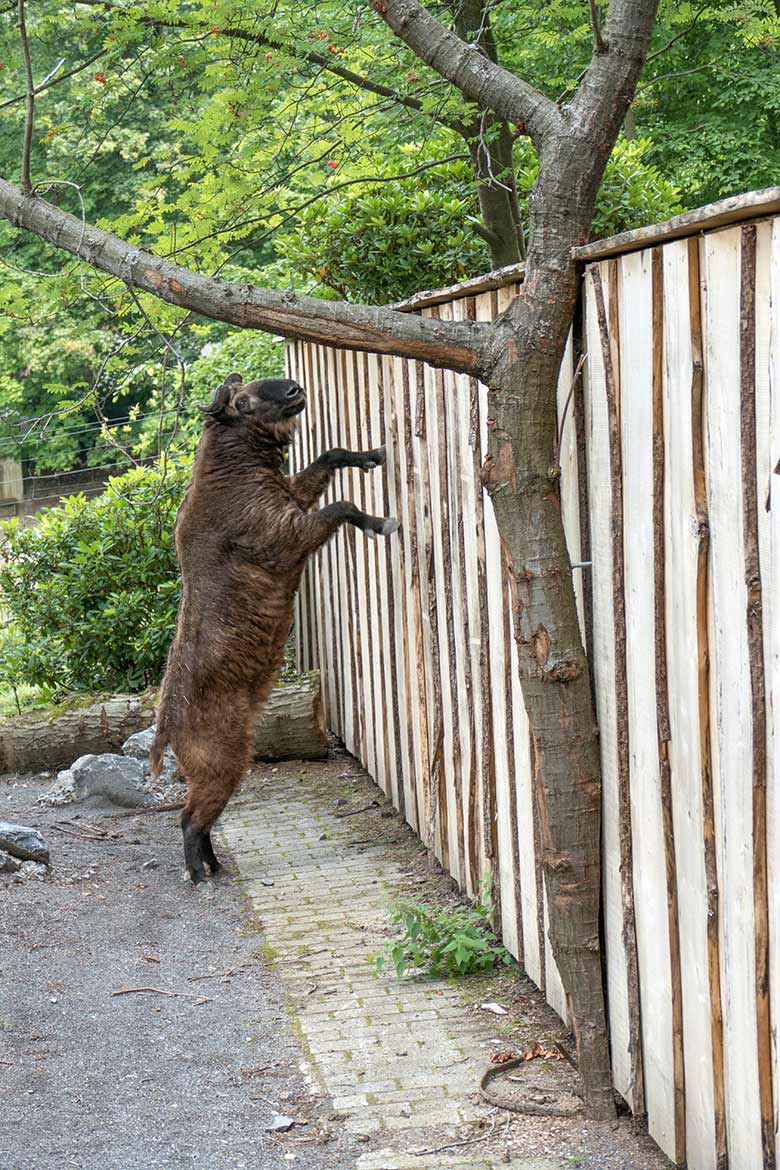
pixel 581 564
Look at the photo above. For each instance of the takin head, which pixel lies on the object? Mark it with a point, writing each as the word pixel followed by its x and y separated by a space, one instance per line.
pixel 270 404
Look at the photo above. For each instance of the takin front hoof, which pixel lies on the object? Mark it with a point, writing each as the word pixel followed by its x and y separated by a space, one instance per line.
pixel 375 458
pixel 389 525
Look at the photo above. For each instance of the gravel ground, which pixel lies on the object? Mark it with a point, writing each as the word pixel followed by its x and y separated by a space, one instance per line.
pixel 145 1080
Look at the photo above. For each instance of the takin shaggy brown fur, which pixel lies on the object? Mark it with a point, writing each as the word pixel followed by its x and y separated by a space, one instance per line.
pixel 243 534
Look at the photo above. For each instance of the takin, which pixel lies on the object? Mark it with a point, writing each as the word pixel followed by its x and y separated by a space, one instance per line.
pixel 243 534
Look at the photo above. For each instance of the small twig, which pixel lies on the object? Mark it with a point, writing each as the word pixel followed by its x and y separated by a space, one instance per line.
pixel 94 829
pixel 86 836
pixel 481 1137
pixel 354 811
pixel 598 40
pixel 217 974
pixel 149 990
pixel 29 102
pixel 160 991
pixel 574 381
pixel 150 808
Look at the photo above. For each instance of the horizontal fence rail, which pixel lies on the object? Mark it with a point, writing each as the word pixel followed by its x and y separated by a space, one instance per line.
pixel 669 409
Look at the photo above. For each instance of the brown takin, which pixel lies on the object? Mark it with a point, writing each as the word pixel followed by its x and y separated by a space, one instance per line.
pixel 243 534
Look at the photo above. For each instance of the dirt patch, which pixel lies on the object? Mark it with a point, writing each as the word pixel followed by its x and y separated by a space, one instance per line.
pixel 187 1075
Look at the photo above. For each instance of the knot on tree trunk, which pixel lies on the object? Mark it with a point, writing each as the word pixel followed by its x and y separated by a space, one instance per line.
pixel 553 668
pixel 499 470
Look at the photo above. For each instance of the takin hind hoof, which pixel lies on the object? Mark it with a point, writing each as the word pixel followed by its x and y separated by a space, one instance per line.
pixel 196 875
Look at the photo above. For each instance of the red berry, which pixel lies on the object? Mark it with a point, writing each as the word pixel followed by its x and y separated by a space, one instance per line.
pixel 99 77
pixel 332 163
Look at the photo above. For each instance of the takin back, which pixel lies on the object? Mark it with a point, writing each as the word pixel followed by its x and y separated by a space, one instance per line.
pixel 243 534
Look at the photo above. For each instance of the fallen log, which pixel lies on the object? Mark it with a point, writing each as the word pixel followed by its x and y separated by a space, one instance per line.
pixel 55 737
pixel 293 724
pixel 293 727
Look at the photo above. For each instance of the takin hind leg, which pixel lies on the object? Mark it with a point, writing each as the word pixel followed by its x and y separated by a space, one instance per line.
pixel 207 796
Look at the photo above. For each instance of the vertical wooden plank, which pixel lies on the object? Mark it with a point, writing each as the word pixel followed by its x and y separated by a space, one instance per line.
pixel 750 504
pixel 731 698
pixel 478 635
pixel 446 755
pixel 330 596
pixel 399 593
pixel 768 348
pixel 438 833
pixel 606 522
pixel 358 542
pixel 685 541
pixel 350 491
pixel 460 651
pixel 650 887
pixel 386 680
pixel 343 657
pixel 504 782
pixel 663 728
pixel 405 382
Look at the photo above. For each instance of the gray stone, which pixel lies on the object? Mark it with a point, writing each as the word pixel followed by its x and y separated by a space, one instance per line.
pixel 31 869
pixel 116 778
pixel 23 842
pixel 138 746
pixel 9 864
pixel 63 791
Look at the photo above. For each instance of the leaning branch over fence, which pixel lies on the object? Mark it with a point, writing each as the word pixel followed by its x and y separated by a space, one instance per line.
pixel 458 345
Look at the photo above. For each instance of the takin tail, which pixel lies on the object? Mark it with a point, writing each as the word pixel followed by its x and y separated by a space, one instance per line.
pixel 157 751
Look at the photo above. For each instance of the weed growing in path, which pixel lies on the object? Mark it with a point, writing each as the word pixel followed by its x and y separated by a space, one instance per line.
pixel 435 941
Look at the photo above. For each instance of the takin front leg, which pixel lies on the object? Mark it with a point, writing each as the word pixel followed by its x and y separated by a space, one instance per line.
pixel 316 528
pixel 309 484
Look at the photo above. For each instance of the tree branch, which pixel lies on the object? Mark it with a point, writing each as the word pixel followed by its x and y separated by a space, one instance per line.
pixel 478 78
pixel 55 78
pixel 29 101
pixel 598 41
pixel 457 345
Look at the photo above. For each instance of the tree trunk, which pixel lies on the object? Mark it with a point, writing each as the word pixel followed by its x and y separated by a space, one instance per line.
pixel 292 728
pixel 491 157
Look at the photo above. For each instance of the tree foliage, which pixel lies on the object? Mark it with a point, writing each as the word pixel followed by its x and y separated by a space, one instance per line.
pixel 263 143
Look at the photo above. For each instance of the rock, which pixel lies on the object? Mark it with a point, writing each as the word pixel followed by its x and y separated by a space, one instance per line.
pixel 118 779
pixel 280 1123
pixel 138 746
pixel 9 864
pixel 63 791
pixel 31 869
pixel 23 842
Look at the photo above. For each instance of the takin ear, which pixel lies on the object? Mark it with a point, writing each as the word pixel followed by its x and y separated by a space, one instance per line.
pixel 216 408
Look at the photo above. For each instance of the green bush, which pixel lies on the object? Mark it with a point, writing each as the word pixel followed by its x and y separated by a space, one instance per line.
pixel 435 941
pixel 384 246
pixel 90 594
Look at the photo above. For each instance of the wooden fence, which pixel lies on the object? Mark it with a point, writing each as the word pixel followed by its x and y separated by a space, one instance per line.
pixel 669 442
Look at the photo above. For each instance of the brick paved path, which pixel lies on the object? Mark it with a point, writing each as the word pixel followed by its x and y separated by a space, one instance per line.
pixel 401 1060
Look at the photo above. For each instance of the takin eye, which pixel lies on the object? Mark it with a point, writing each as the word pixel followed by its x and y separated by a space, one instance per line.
pixel 243 404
